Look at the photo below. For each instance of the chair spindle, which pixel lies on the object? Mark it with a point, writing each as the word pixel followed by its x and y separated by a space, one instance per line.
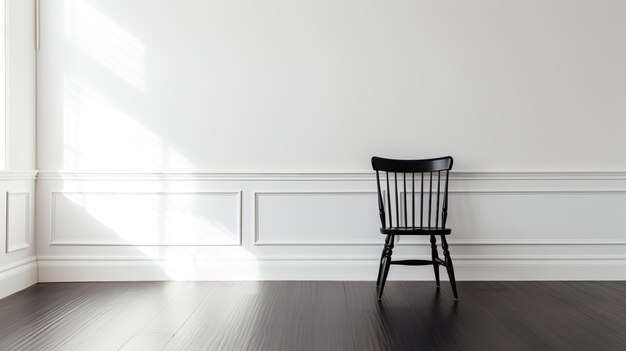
pixel 381 206
pixel 422 202
pixel 444 212
pixel 413 196
pixel 438 192
pixel 395 181
pixel 406 218
pixel 430 197
pixel 389 200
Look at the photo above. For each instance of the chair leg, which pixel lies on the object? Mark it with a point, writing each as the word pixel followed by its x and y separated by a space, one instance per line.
pixel 385 265
pixel 383 278
pixel 449 266
pixel 380 265
pixel 435 255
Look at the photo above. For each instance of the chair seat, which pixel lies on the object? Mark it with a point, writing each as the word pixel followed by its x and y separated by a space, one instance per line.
pixel 415 231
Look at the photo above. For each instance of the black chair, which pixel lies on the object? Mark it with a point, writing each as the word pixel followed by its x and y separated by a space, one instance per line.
pixel 396 201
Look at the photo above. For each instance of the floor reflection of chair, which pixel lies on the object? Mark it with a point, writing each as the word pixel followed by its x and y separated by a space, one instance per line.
pixel 398 210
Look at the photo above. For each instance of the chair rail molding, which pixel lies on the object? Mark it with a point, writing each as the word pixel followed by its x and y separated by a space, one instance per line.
pixel 8 175
pixel 319 176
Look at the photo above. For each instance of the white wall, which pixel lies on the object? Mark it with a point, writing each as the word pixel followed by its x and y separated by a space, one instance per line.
pixel 172 93
pixel 20 87
pixel 244 85
pixel 18 265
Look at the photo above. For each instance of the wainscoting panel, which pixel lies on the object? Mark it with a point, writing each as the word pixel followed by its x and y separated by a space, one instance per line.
pixel 18 262
pixel 565 216
pixel 136 219
pixel 506 226
pixel 316 218
pixel 18 221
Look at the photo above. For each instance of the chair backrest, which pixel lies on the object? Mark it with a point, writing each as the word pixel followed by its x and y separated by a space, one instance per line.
pixel 430 209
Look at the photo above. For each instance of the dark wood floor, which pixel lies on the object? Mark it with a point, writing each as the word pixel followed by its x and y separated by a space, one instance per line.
pixel 315 316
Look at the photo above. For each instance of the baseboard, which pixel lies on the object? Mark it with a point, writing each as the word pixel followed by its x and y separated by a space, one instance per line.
pixel 18 276
pixel 67 269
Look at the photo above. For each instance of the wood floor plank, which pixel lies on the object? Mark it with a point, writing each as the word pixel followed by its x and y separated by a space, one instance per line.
pixel 607 304
pixel 255 326
pixel 208 326
pixel 129 321
pixel 333 330
pixel 258 316
pixel 110 308
pixel 493 321
pixel 453 325
pixel 293 318
pixel 277 318
pixel 26 307
pixel 147 341
pixel 67 320
pixel 368 329
pixel 405 320
pixel 559 314
pixel 162 327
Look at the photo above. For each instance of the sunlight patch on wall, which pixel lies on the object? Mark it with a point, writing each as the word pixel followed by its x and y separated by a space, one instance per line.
pixel 146 218
pixel 99 135
pixel 105 41
pixel 184 233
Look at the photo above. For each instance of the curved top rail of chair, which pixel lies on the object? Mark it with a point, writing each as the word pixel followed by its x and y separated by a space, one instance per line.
pixel 424 165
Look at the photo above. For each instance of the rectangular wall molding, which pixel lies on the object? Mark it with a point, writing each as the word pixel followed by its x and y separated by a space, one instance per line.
pixel 145 219
pixel 18 229
pixel 314 218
